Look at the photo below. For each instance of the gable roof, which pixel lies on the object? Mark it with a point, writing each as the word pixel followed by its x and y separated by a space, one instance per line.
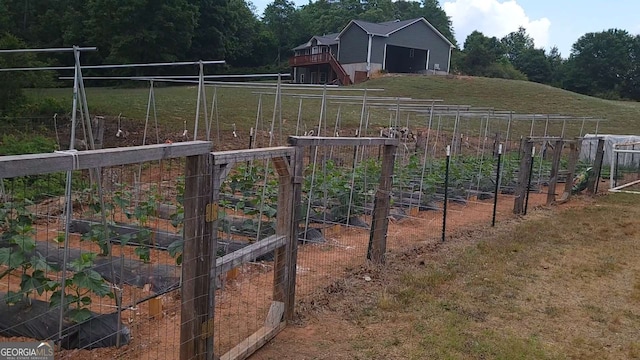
pixel 328 40
pixel 387 28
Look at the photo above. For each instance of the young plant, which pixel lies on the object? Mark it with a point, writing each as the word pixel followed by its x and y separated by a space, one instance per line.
pixel 78 288
pixel 16 223
pixel 142 212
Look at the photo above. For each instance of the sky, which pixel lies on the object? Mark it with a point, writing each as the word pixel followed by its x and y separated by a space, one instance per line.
pixel 549 22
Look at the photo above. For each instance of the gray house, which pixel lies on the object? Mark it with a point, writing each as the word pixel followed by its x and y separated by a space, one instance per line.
pixel 362 48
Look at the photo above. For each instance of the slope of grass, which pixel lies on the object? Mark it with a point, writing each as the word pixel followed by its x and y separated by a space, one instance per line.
pixel 177 104
pixel 519 96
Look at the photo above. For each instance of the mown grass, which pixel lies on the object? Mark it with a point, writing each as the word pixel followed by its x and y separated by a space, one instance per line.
pixel 530 291
pixel 177 104
pixel 559 285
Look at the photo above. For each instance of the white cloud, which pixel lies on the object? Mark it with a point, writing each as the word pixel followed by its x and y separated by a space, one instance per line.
pixel 494 18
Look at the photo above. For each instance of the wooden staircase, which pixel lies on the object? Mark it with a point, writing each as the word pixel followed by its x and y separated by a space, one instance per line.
pixel 342 75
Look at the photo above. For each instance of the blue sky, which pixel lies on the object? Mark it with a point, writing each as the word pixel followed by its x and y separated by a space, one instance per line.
pixel 550 22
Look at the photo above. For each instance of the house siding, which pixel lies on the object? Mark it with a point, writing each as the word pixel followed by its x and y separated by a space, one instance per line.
pixel 353 45
pixel 377 50
pixel 420 36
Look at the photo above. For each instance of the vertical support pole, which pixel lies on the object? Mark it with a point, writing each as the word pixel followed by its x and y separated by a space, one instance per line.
pixel 574 152
pixel 446 193
pixel 523 175
pixel 380 221
pixel 495 195
pixel 592 185
pixel 196 328
pixel 555 169
pixel 74 105
pixel 298 180
pixel 283 227
pixel 526 201
pixel 98 132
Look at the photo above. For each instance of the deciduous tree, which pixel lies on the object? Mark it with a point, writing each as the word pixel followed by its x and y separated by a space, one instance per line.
pixel 600 62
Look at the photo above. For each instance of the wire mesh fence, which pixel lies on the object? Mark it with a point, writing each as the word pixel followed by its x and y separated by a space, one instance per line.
pixel 90 255
pixel 108 250
pixel 625 168
pixel 340 184
pixel 248 216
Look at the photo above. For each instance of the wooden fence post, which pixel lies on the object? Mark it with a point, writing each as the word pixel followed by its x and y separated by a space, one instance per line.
pixel 555 170
pixel 196 327
pixel 380 220
pixel 298 179
pixel 592 184
pixel 284 218
pixel 574 148
pixel 523 177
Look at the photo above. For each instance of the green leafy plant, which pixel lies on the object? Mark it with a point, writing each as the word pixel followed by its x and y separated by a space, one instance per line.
pixel 141 212
pixel 16 223
pixel 78 288
pixel 254 194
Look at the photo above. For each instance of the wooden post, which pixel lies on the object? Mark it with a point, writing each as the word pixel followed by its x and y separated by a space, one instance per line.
pixel 574 149
pixel 283 227
pixel 155 308
pixel 555 169
pixel 292 251
pixel 196 326
pixel 380 220
pixel 592 184
pixel 98 131
pixel 523 177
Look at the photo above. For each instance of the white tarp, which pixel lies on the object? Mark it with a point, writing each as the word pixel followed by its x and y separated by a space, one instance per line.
pixel 590 145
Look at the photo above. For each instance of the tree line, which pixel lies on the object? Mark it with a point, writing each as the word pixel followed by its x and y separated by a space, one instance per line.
pixel 605 64
pixel 136 31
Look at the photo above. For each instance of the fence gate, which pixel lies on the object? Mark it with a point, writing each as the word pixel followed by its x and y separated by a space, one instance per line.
pixel 239 303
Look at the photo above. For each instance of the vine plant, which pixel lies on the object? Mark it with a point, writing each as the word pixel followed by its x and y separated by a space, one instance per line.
pixel 16 223
pixel 18 253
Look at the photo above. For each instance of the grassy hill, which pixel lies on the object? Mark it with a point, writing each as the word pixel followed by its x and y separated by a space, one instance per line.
pixel 239 105
pixel 518 96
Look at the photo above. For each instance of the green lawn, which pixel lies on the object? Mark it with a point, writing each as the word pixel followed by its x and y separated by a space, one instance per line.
pixel 234 105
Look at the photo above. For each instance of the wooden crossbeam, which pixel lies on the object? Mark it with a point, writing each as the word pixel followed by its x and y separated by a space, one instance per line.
pixel 34 164
pixel 249 253
pixel 341 141
pixel 235 156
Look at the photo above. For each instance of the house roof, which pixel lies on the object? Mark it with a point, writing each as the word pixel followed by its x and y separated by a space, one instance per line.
pixel 387 28
pixel 329 39
pixel 383 29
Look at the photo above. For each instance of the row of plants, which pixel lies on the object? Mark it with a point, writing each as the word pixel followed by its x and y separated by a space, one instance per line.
pixel 19 257
pixel 339 192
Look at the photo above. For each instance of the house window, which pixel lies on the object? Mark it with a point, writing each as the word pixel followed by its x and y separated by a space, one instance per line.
pixel 322 77
pixel 412 52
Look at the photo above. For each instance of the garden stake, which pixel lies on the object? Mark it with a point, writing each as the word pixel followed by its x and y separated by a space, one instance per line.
pixel 526 201
pixel 446 192
pixel 495 195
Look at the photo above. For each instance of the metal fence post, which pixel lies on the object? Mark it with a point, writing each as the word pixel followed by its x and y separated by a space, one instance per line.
pixel 495 195
pixel 446 193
